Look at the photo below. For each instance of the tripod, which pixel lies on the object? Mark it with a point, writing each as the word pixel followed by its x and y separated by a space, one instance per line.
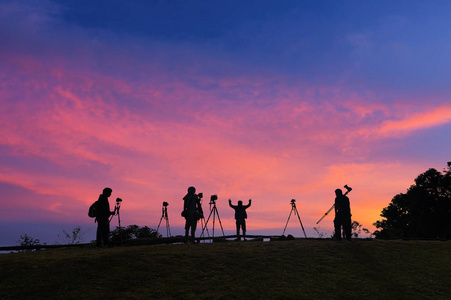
pixel 293 208
pixel 327 212
pixel 214 212
pixel 203 224
pixel 164 215
pixel 117 209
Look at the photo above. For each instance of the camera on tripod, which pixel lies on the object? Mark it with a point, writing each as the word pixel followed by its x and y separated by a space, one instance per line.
pixel 164 215
pixel 200 195
pixel 295 211
pixel 214 212
pixel 118 203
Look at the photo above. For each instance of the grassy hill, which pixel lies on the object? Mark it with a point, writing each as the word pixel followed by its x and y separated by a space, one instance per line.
pixel 298 269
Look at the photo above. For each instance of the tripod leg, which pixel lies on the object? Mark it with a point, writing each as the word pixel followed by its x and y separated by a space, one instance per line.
pixel 168 228
pixel 300 222
pixel 327 212
pixel 220 222
pixel 214 217
pixel 287 221
pixel 205 226
pixel 119 223
pixel 202 223
pixel 159 223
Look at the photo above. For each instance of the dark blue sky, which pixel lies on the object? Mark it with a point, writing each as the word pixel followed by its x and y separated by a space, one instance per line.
pixel 381 43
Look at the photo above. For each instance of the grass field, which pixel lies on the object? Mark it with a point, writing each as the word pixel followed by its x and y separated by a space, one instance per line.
pixel 298 269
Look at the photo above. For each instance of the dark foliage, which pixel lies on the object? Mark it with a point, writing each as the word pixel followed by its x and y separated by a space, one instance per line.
pixel 423 212
pixel 28 241
pixel 133 232
pixel 357 229
pixel 75 237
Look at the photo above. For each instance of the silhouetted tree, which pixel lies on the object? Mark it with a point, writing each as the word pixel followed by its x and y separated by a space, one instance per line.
pixel 423 212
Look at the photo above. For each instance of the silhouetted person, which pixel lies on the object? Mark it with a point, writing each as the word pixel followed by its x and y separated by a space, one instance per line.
pixel 342 215
pixel 240 217
pixel 102 217
pixel 192 211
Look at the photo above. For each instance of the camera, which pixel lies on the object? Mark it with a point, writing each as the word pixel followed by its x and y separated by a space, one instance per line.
pixel 200 195
pixel 213 198
pixel 118 205
pixel 165 203
pixel 293 200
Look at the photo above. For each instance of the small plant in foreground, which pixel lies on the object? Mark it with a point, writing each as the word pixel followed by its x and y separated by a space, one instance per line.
pixel 27 241
pixel 76 237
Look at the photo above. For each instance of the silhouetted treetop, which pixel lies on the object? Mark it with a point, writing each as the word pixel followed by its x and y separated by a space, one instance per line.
pixel 424 211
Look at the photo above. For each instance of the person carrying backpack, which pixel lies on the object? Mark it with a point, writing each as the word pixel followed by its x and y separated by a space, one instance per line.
pixel 103 214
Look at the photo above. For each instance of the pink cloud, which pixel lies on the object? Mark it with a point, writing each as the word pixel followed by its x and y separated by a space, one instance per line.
pixel 433 117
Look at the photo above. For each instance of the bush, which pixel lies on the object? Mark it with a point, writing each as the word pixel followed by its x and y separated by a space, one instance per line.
pixel 27 241
pixel 133 232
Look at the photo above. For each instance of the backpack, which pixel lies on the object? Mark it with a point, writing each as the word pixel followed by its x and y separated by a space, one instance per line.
pixel 92 213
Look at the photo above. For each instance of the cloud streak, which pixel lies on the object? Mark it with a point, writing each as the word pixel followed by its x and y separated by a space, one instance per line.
pixel 434 117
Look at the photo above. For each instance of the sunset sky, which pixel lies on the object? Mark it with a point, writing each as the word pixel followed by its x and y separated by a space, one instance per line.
pixel 269 100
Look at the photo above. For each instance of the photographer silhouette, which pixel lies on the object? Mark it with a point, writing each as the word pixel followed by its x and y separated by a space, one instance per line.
pixel 102 217
pixel 240 217
pixel 192 212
